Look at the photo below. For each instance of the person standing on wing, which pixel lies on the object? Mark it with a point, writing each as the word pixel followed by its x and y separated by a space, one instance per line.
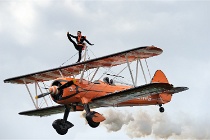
pixel 80 45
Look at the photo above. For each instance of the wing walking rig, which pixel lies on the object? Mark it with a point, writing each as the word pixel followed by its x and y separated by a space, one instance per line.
pixel 78 94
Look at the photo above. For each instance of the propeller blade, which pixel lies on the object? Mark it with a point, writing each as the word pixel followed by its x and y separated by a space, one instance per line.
pixel 42 95
pixel 55 89
pixel 68 84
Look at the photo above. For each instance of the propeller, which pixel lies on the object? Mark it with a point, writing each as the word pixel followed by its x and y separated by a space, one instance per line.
pixel 67 84
pixel 56 89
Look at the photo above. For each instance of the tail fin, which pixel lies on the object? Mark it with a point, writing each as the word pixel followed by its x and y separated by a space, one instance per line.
pixel 159 77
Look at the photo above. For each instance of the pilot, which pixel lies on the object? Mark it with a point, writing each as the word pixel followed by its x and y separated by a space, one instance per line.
pixel 80 45
pixel 107 81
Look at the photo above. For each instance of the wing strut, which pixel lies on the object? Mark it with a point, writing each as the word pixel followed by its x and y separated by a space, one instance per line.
pixel 61 73
pixel 42 93
pixel 130 70
pixel 36 92
pixel 143 71
pixel 30 94
pixel 85 54
pixel 83 71
pixel 94 74
pixel 137 67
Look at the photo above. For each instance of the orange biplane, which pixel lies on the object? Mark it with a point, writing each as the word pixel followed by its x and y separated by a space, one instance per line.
pixel 73 92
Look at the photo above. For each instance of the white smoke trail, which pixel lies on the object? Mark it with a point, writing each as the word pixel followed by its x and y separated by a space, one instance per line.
pixel 161 126
pixel 114 121
pixel 141 126
pixel 164 127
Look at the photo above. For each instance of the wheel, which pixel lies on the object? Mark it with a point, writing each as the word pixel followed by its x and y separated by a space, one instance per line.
pixel 61 126
pixel 90 121
pixel 61 131
pixel 161 109
pixel 93 124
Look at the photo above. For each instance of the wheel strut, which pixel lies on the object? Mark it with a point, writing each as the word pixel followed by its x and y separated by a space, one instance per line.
pixel 89 116
pixel 66 113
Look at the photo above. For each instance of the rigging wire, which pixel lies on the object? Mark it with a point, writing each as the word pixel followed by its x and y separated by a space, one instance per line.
pixel 49 98
pixel 120 80
pixel 148 69
pixel 68 59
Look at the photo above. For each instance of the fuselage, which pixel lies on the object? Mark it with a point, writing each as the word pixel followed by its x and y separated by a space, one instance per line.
pixel 90 90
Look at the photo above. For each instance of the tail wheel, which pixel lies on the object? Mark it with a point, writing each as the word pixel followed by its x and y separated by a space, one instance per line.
pixel 161 109
pixel 89 118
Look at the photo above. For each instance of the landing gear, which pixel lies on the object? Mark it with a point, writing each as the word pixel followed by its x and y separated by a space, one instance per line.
pixel 161 109
pixel 62 125
pixel 89 117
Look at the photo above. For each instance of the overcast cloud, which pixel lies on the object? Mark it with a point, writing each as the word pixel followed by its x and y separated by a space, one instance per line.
pixel 33 38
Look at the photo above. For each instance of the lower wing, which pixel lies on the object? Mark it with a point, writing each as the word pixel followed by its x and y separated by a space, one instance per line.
pixel 113 98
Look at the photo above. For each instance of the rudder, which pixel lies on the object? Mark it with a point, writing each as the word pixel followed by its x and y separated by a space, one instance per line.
pixel 159 77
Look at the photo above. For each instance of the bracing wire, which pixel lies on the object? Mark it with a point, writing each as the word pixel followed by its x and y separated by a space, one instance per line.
pixel 42 102
pixel 148 69
pixel 110 69
pixel 68 59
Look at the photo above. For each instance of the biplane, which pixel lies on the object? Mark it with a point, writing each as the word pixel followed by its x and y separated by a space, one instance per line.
pixel 72 92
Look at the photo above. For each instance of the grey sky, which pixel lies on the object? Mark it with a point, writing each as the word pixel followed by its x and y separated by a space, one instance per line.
pixel 33 38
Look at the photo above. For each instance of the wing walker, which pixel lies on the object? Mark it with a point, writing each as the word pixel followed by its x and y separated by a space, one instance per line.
pixel 71 91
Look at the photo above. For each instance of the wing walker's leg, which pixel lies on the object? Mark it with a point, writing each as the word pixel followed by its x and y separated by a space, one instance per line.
pixel 62 125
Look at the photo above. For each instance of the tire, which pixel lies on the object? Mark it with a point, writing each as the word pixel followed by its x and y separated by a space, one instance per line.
pixel 61 131
pixel 60 126
pixel 93 124
pixel 161 109
pixel 90 120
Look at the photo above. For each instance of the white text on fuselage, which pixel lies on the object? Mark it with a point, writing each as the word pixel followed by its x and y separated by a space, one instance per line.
pixel 148 98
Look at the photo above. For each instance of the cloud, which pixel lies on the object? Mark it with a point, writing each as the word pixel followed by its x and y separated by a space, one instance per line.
pixel 21 20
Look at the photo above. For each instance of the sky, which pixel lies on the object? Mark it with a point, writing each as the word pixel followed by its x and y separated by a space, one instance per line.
pixel 33 38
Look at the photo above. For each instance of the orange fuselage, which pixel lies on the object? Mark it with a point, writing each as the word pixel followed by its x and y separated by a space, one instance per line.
pixel 90 90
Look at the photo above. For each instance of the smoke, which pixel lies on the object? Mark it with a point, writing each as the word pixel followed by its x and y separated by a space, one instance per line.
pixel 164 127
pixel 158 125
pixel 141 125
pixel 117 119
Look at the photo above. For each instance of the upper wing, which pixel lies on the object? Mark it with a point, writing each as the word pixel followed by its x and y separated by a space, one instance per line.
pixel 75 69
pixel 137 92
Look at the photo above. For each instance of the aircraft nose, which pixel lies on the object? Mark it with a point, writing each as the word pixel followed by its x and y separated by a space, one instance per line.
pixel 53 90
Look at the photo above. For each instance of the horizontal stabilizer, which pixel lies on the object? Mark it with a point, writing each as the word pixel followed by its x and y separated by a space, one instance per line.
pixel 177 89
